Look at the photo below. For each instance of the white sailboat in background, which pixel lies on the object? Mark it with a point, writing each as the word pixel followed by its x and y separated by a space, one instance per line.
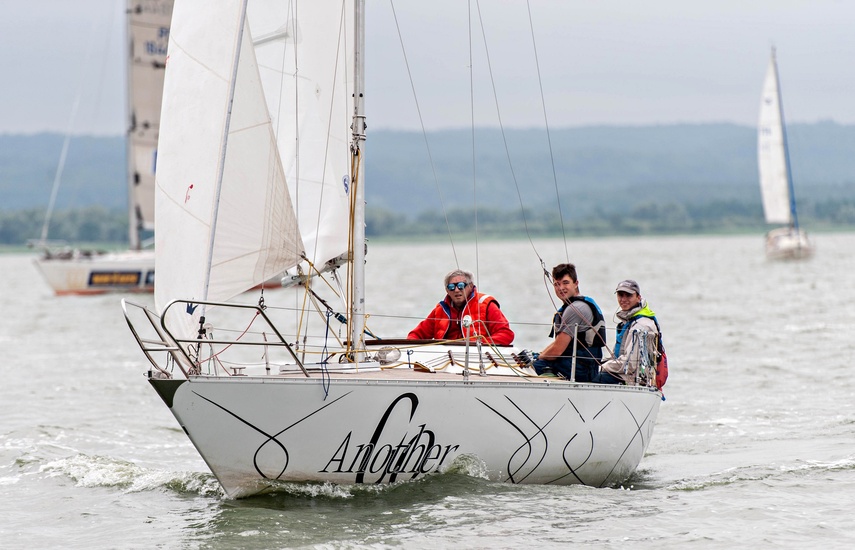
pixel 776 182
pixel 77 271
pixel 260 171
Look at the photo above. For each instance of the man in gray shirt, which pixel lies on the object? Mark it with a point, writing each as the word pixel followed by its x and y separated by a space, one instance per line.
pixel 579 329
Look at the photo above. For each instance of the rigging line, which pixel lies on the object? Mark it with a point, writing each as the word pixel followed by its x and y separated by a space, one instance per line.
pixel 63 155
pixel 302 317
pixel 424 135
pixel 292 10
pixel 350 292
pixel 472 125
pixel 236 340
pixel 102 75
pixel 795 219
pixel 340 317
pixel 546 123
pixel 290 26
pixel 502 130
pixel 288 30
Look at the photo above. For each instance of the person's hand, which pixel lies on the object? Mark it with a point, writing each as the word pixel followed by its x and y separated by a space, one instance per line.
pixel 527 356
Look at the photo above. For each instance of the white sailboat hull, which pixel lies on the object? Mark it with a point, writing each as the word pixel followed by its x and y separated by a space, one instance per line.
pixel 254 432
pixel 269 393
pixel 82 273
pixel 788 244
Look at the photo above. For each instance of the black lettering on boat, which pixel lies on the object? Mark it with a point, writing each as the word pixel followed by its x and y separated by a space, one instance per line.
pixel 448 449
pixel 414 404
pixel 339 458
pixel 366 449
pixel 426 467
pixel 413 456
pixel 387 459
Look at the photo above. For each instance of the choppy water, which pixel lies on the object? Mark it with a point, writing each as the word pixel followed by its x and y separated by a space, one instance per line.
pixel 754 447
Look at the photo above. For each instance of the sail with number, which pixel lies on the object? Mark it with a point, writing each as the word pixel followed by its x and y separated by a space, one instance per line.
pixel 148 35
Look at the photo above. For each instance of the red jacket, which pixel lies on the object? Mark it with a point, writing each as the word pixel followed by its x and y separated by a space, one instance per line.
pixel 444 322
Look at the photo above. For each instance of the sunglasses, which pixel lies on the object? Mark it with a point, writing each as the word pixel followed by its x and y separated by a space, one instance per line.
pixel 459 286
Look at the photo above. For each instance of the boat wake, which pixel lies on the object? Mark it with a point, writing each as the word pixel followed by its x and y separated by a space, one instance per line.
pixel 99 471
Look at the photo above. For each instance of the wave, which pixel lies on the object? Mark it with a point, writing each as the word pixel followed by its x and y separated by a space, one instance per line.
pixel 103 471
pixel 100 471
pixel 770 473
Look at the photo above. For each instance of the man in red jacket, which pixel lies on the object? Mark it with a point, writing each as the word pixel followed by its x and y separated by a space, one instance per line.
pixel 446 321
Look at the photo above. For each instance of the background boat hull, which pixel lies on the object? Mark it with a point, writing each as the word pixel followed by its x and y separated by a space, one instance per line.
pixel 131 271
pixel 788 244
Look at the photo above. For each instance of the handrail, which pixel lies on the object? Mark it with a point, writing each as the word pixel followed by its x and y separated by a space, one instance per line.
pixel 259 311
pixel 147 345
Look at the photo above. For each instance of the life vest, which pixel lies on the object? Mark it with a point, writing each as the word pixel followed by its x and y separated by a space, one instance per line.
pixel 623 326
pixel 593 340
pixel 476 307
pixel 661 358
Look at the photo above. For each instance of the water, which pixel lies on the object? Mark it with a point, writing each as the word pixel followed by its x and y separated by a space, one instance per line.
pixel 754 446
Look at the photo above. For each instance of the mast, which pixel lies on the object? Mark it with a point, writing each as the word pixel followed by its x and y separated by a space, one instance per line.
pixel 357 305
pixel 133 218
pixel 795 220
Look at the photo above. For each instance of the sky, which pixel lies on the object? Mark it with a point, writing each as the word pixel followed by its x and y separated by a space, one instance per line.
pixel 613 62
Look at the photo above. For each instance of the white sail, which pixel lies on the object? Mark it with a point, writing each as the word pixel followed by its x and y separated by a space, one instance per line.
pixel 305 57
pixel 224 217
pixel 148 37
pixel 771 152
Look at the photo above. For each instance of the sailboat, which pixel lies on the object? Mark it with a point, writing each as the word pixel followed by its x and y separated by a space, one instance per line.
pixel 79 271
pixel 260 172
pixel 776 180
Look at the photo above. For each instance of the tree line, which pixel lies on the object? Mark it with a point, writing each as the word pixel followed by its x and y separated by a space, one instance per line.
pixel 97 224
pixel 650 218
pixel 91 224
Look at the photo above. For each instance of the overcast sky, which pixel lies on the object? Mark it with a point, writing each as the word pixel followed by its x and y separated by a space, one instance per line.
pixel 601 62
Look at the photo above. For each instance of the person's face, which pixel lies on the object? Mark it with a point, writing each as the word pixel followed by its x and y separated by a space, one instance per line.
pixel 627 300
pixel 565 287
pixel 458 295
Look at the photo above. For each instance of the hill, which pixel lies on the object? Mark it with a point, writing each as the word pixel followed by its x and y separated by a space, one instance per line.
pixel 685 173
pixel 597 167
pixel 94 172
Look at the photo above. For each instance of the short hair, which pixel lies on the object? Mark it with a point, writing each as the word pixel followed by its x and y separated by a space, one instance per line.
pixel 560 270
pixel 459 273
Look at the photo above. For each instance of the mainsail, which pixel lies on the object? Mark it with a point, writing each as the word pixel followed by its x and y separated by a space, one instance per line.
pixel 241 200
pixel 773 164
